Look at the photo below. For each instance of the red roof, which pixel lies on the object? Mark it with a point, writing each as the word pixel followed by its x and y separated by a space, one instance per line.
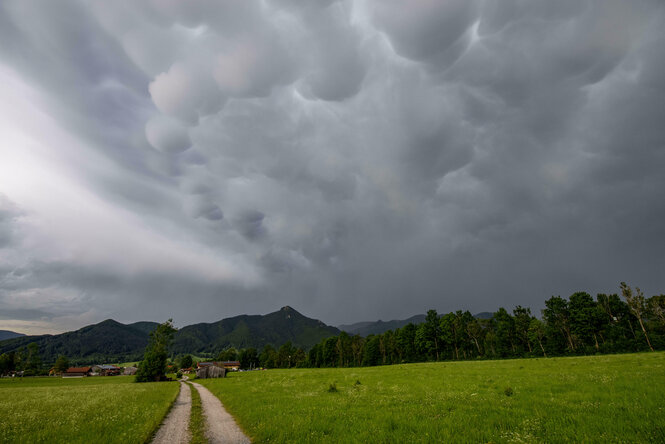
pixel 79 369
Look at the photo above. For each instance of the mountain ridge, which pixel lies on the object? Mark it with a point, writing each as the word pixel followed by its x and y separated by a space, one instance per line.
pixel 113 341
pixel 366 328
pixel 8 334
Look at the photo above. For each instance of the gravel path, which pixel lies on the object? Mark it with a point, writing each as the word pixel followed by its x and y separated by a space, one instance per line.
pixel 220 426
pixel 175 428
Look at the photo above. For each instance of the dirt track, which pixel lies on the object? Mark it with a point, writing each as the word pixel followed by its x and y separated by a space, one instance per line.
pixel 175 428
pixel 220 426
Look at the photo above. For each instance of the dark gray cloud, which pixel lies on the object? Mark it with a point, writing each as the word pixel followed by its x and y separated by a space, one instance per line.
pixel 354 159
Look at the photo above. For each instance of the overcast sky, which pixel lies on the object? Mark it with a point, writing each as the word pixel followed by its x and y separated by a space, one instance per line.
pixel 356 160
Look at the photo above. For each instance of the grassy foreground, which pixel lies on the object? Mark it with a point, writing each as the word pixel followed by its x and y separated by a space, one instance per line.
pixel 615 398
pixel 96 409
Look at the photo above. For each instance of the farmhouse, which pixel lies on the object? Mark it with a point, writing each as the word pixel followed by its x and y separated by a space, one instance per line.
pixel 77 372
pixel 106 370
pixel 130 370
pixel 230 365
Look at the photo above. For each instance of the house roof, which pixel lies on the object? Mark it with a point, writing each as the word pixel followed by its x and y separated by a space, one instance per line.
pixel 219 364
pixel 107 367
pixel 78 369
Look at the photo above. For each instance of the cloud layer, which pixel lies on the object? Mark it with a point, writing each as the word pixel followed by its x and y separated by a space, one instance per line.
pixel 354 159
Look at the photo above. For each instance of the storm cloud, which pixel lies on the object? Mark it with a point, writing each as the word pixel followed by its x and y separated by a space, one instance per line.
pixel 356 160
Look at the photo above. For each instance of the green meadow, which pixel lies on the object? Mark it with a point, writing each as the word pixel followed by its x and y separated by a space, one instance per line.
pixel 96 409
pixel 611 398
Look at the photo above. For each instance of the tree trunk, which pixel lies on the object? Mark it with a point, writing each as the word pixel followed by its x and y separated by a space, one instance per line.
pixel 645 333
pixel 630 324
pixel 570 340
pixel 477 346
pixel 541 347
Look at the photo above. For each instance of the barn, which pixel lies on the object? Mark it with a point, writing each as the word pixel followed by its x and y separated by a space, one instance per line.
pixel 208 370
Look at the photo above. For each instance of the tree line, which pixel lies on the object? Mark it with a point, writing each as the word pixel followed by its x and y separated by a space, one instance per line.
pixel 578 325
pixel 575 326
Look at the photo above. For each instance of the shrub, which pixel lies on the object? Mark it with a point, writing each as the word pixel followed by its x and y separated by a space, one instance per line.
pixel 508 391
pixel 332 388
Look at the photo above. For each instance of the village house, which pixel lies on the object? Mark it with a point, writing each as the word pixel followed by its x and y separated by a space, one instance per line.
pixel 233 366
pixel 130 370
pixel 106 370
pixel 77 372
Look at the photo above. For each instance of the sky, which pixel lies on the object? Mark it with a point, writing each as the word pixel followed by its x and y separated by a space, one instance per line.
pixel 354 159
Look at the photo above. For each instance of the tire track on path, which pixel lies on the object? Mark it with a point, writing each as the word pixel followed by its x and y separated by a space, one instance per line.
pixel 220 426
pixel 175 428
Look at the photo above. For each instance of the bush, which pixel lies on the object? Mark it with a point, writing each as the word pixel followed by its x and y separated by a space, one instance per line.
pixel 332 388
pixel 508 391
pixel 178 375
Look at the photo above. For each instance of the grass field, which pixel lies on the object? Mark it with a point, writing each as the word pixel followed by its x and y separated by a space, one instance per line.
pixel 615 398
pixel 95 409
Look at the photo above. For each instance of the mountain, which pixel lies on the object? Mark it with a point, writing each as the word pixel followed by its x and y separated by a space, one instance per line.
pixel 6 334
pixel 144 326
pixel 111 341
pixel 253 331
pixel 378 327
pixel 107 341
pixel 484 315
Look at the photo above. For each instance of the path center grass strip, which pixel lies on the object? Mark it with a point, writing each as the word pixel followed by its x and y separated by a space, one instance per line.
pixel 617 398
pixel 56 410
pixel 196 419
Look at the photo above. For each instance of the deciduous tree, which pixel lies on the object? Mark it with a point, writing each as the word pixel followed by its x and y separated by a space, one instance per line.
pixel 153 366
pixel 637 306
pixel 61 364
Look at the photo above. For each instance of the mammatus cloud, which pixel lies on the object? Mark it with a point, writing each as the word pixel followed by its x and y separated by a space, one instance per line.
pixel 354 159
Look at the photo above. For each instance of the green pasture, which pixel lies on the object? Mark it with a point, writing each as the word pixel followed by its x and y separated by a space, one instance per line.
pixel 95 409
pixel 611 398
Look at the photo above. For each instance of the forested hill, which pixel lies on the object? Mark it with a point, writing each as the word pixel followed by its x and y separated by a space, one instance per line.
pixel 6 334
pixel 253 331
pixel 104 342
pixel 112 341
